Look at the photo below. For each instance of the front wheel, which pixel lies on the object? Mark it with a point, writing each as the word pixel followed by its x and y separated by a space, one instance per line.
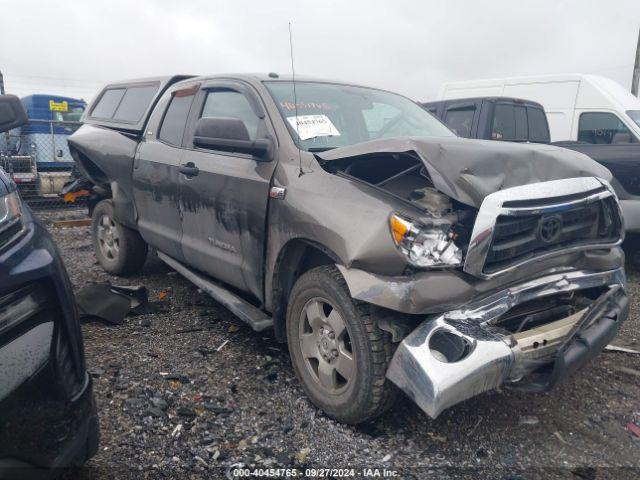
pixel 119 249
pixel 337 351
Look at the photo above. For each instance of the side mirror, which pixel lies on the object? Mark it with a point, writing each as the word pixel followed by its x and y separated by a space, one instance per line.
pixel 12 113
pixel 230 135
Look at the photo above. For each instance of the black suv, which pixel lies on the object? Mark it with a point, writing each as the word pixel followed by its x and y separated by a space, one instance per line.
pixel 48 417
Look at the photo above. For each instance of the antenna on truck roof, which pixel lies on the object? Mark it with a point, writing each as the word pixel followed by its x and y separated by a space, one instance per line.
pixel 295 102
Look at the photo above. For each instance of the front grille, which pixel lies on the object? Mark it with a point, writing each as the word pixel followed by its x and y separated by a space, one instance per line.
pixel 29 305
pixel 19 165
pixel 10 233
pixel 20 306
pixel 517 238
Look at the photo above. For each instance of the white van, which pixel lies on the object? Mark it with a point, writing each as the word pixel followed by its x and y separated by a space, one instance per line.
pixel 586 108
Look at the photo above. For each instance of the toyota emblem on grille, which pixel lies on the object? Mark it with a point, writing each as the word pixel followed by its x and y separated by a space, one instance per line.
pixel 550 228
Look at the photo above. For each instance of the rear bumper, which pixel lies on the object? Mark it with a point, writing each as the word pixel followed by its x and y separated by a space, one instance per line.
pixel 492 357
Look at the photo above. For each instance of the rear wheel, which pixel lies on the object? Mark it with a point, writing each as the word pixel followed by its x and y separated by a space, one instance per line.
pixel 338 353
pixel 119 249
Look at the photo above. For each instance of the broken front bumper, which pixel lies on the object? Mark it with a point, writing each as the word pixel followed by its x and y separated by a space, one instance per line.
pixel 461 353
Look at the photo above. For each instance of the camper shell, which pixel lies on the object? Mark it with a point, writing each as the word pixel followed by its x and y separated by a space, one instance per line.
pixel 125 106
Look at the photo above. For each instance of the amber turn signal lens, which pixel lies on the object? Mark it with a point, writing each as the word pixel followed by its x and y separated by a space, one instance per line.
pixel 399 228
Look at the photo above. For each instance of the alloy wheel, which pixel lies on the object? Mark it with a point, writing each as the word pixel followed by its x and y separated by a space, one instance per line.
pixel 326 345
pixel 108 239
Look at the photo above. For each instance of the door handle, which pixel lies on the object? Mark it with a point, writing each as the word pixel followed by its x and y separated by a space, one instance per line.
pixel 189 169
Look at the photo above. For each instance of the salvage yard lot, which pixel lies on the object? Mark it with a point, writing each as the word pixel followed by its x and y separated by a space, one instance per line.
pixel 189 390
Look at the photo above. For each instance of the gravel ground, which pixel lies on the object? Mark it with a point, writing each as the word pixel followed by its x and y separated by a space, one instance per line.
pixel 189 391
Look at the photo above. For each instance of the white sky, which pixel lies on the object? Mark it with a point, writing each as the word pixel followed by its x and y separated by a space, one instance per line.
pixel 73 47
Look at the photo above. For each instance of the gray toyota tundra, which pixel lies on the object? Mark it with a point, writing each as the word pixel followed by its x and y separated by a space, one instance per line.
pixel 388 253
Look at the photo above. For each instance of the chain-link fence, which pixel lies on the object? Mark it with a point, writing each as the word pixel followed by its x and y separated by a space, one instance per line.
pixel 37 158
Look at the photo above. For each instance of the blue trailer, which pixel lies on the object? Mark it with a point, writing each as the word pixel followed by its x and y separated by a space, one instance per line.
pixel 37 155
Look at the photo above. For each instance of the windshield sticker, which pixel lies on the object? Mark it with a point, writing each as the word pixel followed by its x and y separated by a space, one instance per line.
pixel 312 126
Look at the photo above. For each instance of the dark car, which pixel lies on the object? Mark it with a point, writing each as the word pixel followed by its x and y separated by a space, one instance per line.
pixel 381 247
pixel 48 417
pixel 493 118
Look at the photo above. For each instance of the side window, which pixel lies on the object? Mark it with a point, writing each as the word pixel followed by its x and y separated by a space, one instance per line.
pixel 108 103
pixel 504 123
pixel 603 127
pixel 509 123
pixel 124 104
pixel 538 128
pixel 376 117
pixel 229 103
pixel 522 127
pixel 175 119
pixel 134 103
pixel 460 120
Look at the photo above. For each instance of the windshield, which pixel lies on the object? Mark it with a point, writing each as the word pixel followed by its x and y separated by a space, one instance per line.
pixel 635 116
pixel 332 115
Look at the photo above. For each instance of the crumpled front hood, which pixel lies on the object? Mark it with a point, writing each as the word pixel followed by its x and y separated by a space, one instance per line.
pixel 469 170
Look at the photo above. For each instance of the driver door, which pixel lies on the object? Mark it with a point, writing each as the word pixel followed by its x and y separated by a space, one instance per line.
pixel 224 198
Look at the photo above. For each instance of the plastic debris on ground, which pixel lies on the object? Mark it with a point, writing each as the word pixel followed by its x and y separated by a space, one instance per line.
pixel 634 428
pixel 616 348
pixel 112 303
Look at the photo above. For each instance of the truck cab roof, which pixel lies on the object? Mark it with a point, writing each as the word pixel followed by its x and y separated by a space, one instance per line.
pixel 492 99
pixel 126 105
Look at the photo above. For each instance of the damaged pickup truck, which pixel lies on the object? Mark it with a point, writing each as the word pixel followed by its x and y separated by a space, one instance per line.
pixel 381 247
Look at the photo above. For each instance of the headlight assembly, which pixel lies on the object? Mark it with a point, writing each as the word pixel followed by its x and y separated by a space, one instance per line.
pixel 10 211
pixel 425 246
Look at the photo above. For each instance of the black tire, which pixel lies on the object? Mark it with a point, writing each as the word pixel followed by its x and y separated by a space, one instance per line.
pixel 368 393
pixel 131 252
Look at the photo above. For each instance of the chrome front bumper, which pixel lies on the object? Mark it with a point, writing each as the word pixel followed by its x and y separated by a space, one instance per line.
pixel 491 357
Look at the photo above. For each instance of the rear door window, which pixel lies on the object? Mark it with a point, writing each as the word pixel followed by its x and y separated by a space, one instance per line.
pixel 509 123
pixel 603 128
pixel 522 126
pixel 460 120
pixel 175 119
pixel 538 127
pixel 504 123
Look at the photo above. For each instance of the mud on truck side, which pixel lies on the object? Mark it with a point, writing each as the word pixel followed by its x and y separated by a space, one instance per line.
pixel 381 247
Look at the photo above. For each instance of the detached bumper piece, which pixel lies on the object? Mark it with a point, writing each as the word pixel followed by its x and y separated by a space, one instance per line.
pixel 529 337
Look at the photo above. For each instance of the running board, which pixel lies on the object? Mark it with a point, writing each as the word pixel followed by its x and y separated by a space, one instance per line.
pixel 256 318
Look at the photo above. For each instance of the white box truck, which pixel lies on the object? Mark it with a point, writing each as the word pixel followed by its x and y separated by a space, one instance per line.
pixel 585 108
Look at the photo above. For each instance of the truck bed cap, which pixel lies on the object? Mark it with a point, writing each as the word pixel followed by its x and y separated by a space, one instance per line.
pixel 134 126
